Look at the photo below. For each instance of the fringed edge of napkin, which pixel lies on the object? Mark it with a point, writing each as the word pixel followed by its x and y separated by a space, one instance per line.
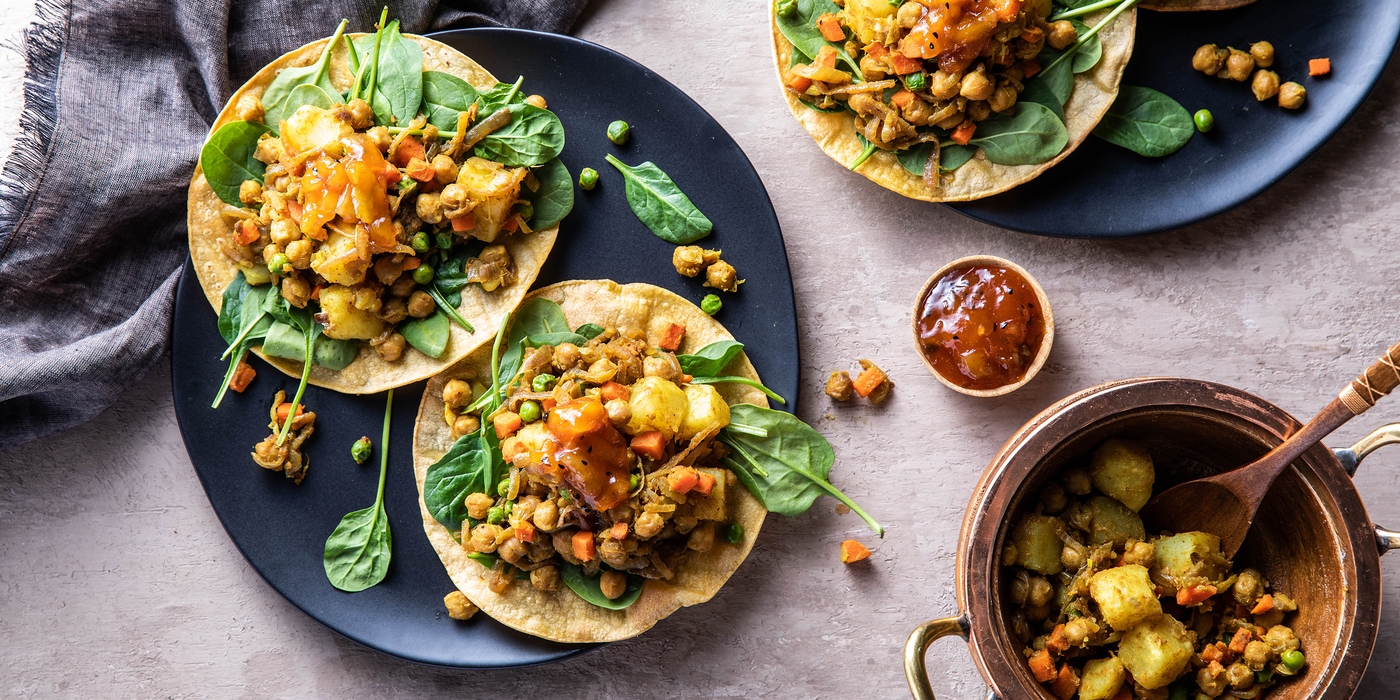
pixel 23 173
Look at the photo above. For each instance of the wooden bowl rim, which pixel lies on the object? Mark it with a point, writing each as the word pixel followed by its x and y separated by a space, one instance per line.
pixel 1040 357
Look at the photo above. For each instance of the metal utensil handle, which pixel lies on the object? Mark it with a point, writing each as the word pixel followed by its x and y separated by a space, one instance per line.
pixel 1386 540
pixel 1380 379
pixel 918 643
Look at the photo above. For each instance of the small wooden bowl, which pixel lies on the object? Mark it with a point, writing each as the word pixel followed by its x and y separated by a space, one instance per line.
pixel 1045 344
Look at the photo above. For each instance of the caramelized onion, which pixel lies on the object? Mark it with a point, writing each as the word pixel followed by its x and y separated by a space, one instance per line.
pixel 498 119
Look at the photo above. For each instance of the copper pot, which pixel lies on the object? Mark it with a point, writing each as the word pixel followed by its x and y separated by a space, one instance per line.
pixel 1311 538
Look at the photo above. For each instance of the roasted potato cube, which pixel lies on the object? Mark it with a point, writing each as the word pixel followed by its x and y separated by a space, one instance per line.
pixel 1156 652
pixel 1101 680
pixel 1191 557
pixel 1038 543
pixel 1113 522
pixel 711 507
pixel 344 321
pixel 494 188
pixel 706 406
pixel 312 127
pixel 1123 470
pixel 256 275
pixel 1126 596
pixel 657 404
pixel 338 261
pixel 533 436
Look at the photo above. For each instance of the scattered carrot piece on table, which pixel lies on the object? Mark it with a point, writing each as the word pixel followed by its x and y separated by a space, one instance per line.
pixel 853 551
pixel 1319 66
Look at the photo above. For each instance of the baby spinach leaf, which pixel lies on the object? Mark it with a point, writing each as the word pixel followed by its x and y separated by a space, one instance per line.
pixel 554 199
pixel 661 205
pixel 787 469
pixel 710 360
pixel 428 334
pixel 312 95
pixel 952 157
pixel 740 380
pixel 242 323
pixel 227 159
pixel 1088 55
pixel 284 341
pixel 472 465
pixel 398 81
pixel 1033 135
pixel 867 149
pixel 231 308
pixel 450 277
pixel 1146 122
pixel 915 157
pixel 539 316
pixel 533 137
pixel 501 95
pixel 589 331
pixel 591 590
pixel 358 551
pixel 800 28
pixel 1050 87
pixel 444 97
pixel 335 354
pixel 278 101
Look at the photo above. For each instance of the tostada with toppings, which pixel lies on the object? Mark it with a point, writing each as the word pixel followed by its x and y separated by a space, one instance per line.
pixel 378 202
pixel 608 460
pixel 950 100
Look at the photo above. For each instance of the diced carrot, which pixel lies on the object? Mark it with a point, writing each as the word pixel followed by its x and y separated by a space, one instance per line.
pixel 511 224
pixel 1057 644
pixel 619 531
pixel 902 98
pixel 830 28
pixel 877 50
pixel 853 551
pixel 421 170
pixel 963 133
pixel 671 337
pixel 1211 653
pixel 903 65
pixel 1032 35
pixel 247 232
pixel 1215 668
pixel 411 147
pixel 411 264
pixel 682 480
pixel 465 222
pixel 1241 638
pixel 705 483
pixel 511 448
pixel 506 424
pixel 1066 683
pixel 869 380
pixel 391 174
pixel 285 408
pixel 1319 66
pixel 1006 11
pixel 525 532
pixel 1122 560
pixel 826 57
pixel 1125 692
pixel 613 390
pixel 584 546
pixel 797 82
pixel 548 404
pixel 295 209
pixel 1030 67
pixel 1043 666
pixel 1194 595
pixel 650 444
pixel 241 376
pixel 316 291
pixel 1264 605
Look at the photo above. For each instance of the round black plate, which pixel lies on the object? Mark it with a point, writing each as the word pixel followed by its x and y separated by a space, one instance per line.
pixel 281 528
pixel 1103 191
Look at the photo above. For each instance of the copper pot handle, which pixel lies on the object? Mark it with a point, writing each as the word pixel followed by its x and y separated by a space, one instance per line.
pixel 1351 457
pixel 918 643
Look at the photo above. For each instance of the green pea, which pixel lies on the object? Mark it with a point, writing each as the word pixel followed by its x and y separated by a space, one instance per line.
pixel 423 274
pixel 542 382
pixel 444 241
pixel 785 8
pixel 1180 692
pixel 916 81
pixel 1263 676
pixel 895 3
pixel 360 450
pixel 618 132
pixel 588 178
pixel 634 482
pixel 526 210
pixel 495 515
pixel 734 533
pixel 530 411
pixel 503 488
pixel 711 304
pixel 420 242
pixel 1204 121
pixel 1294 659
pixel 278 263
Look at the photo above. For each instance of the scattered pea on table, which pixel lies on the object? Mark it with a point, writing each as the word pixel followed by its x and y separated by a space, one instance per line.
pixel 588 179
pixel 618 132
pixel 711 304
pixel 1204 120
pixel 360 450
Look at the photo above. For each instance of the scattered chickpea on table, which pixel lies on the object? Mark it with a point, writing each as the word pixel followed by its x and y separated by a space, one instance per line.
pixel 1234 64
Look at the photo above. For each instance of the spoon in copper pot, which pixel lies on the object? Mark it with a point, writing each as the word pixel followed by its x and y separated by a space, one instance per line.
pixel 1224 505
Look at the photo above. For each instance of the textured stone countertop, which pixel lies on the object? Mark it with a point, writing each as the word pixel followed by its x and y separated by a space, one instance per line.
pixel 116 579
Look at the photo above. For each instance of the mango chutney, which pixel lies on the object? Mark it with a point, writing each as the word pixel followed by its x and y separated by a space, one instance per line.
pixel 980 326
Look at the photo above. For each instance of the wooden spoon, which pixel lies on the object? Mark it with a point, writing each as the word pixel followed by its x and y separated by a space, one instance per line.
pixel 1224 505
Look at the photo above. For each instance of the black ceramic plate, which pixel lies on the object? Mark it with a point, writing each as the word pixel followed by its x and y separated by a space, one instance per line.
pixel 1103 191
pixel 281 528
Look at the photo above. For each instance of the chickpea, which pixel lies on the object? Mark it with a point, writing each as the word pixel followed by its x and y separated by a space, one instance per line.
pixel 458 607
pixel 284 231
pixel 478 504
pixel 512 550
pixel 546 515
pixel 1256 655
pixel 545 578
pixel 1291 95
pixel 250 192
pixel 299 252
pixel 909 14
pixel 429 208
pixel 954 118
pixel 689 260
pixel 457 393
pixel 465 425
pixel 564 545
pixel 361 115
pixel 1281 639
pixel 269 149
pixel 1073 556
pixel 1052 496
pixel 1248 588
pixel 524 509
pixel 702 538
pixel 403 286
pixel 613 584
pixel 648 525
pixel 566 355
pixel 421 304
pixel 394 310
pixel 1141 553
pixel 1209 59
pixel 1210 683
pixel 296 291
pixel 1003 98
pixel 1239 676
pixel 975 85
pixel 392 348
pixel 978 111
pixel 1263 53
pixel 536 101
pixel 453 197
pixel 659 366
pixel 484 537
pixel 619 412
pixel 722 276
pixel 386 269
pixel 444 169
pixel 873 68
pixel 1020 588
pixel 381 138
pixel 1041 592
pixel 1020 627
pixel 1077 482
pixel 271 251
pixel 249 108
pixel 840 387
pixel 1265 84
pixel 1078 631
pixel 944 86
pixel 1239 65
pixel 1061 34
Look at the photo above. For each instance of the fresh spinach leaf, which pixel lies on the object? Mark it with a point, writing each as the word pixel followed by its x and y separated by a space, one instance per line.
pixel 740 380
pixel 710 360
pixel 1050 87
pixel 915 157
pixel 533 137
pixel 554 199
pixel 1088 55
pixel 227 159
pixel 335 354
pixel 358 551
pixel 301 320
pixel 242 323
pixel 591 590
pixel 472 465
pixel 954 156
pixel 312 95
pixel 800 28
pixel 284 341
pixel 444 97
pixel 589 331
pixel 661 205
pixel 450 276
pixel 867 149
pixel 1033 135
pixel 428 334
pixel 787 469
pixel 398 76
pixel 1146 122
pixel 277 100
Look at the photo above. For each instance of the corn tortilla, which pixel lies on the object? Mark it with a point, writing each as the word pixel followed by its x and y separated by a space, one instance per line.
pixel 561 615
pixel 1094 92
pixel 367 374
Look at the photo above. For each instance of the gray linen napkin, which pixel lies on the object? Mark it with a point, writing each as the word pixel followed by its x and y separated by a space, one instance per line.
pixel 119 95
